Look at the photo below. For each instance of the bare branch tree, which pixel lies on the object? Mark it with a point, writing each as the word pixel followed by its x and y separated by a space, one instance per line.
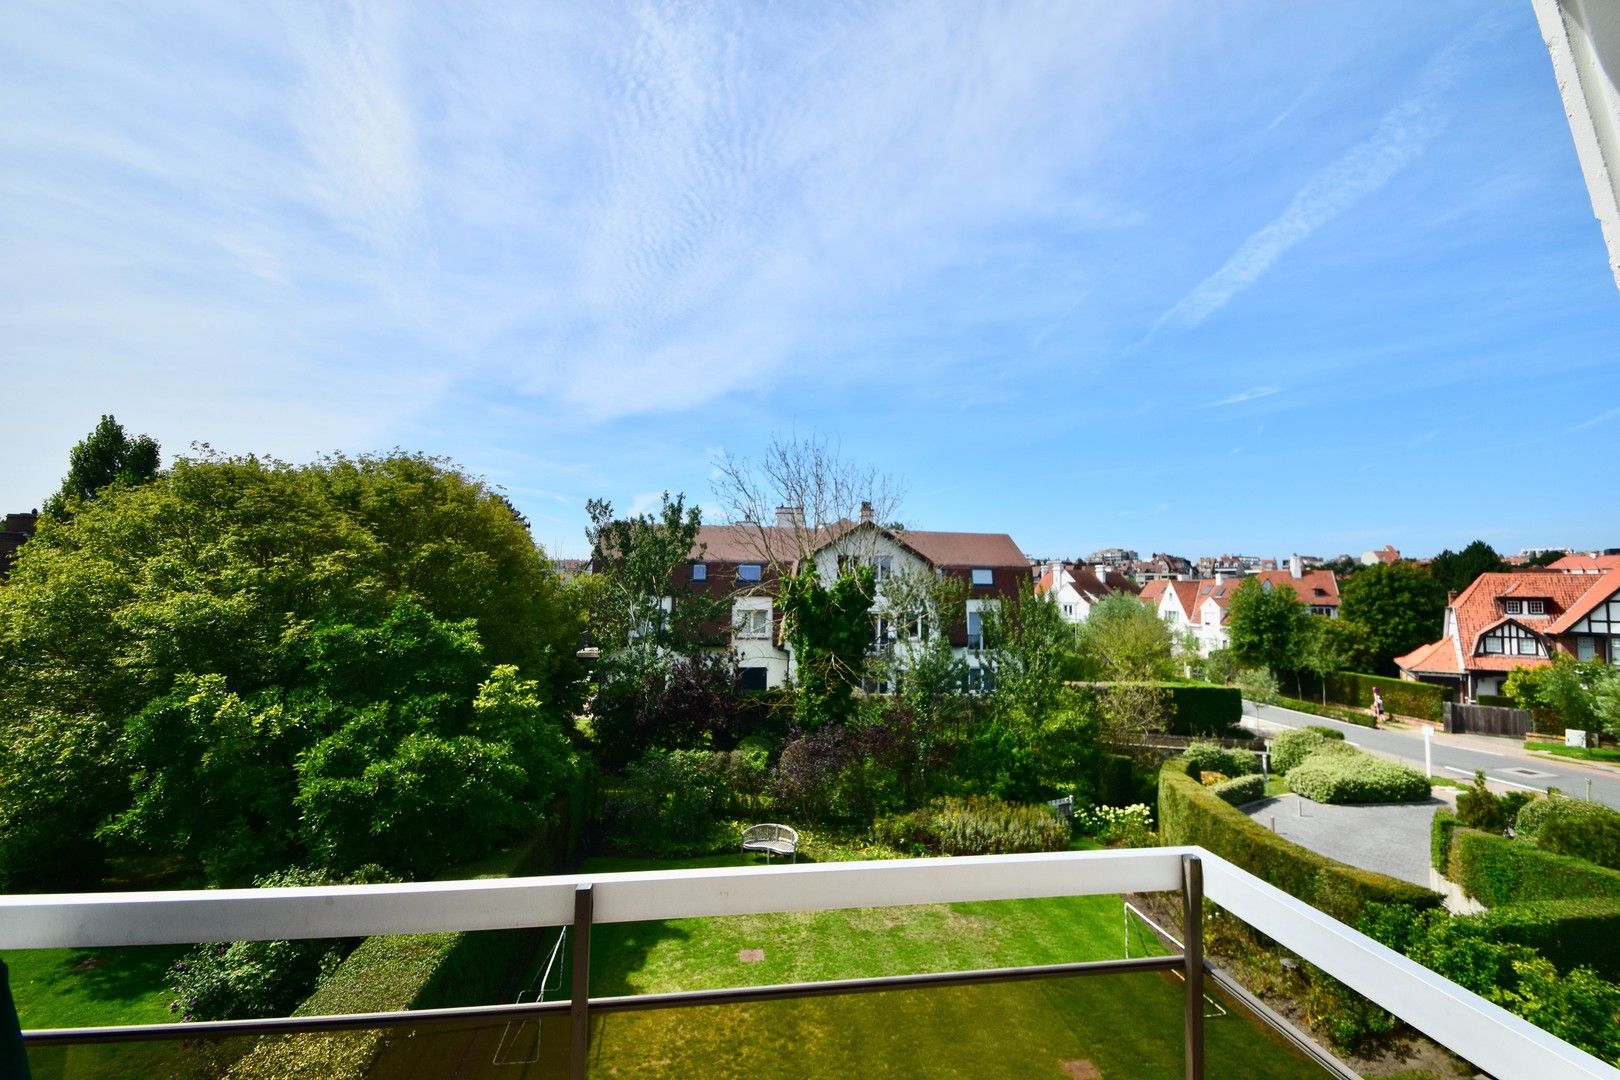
pixel 800 495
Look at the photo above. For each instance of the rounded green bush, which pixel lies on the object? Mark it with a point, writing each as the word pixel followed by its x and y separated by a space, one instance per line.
pixel 1292 747
pixel 1243 789
pixel 1356 778
pixel 1205 757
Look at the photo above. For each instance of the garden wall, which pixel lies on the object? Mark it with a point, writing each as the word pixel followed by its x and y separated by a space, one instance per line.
pixel 1190 813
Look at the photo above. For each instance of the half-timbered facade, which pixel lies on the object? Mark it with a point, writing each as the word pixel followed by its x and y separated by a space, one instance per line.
pixel 1505 621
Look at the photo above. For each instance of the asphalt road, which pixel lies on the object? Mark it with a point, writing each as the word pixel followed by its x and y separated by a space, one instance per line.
pixel 1458 757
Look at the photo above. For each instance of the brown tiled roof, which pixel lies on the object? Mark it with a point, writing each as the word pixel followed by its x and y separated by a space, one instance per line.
pixel 743 543
pixel 1187 595
pixel 1087 583
pixel 1435 658
pixel 1387 554
pixel 1601 589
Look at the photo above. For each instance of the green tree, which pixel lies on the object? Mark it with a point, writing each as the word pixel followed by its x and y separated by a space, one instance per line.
pixel 1332 645
pixel 1028 649
pixel 1267 625
pixel 640 591
pixel 829 628
pixel 1401 606
pixel 1124 639
pixel 171 653
pixel 1456 570
pixel 106 456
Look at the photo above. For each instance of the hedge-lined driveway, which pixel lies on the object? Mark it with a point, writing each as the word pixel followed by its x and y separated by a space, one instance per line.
pixel 1391 838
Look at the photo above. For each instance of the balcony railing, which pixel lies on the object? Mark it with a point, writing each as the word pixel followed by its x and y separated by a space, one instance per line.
pixel 1484 1034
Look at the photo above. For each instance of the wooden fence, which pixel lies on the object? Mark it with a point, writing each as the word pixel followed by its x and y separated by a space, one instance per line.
pixel 1486 720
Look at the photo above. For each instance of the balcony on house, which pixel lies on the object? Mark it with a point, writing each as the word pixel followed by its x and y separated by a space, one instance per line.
pixel 1161 1012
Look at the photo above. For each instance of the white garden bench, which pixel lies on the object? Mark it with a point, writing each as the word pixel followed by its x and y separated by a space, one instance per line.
pixel 772 839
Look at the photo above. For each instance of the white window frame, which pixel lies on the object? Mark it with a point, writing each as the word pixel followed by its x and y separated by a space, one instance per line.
pixel 1513 607
pixel 751 624
pixel 1535 607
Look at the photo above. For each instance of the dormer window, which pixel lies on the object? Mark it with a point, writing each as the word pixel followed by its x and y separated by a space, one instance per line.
pixel 1513 607
pixel 1535 607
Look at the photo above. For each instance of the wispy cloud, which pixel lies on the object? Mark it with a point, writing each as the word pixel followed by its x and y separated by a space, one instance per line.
pixel 1253 393
pixel 1401 135
pixel 1601 418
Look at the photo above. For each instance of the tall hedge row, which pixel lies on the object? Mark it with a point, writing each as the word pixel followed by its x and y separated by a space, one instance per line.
pixel 1190 813
pixel 1496 870
pixel 1422 700
pixel 1204 708
pixel 1578 932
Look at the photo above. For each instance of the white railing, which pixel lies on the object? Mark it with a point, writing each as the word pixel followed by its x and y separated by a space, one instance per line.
pixel 1484 1034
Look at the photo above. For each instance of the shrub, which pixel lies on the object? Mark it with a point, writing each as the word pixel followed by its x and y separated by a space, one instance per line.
pixel 1203 708
pixel 1479 808
pixel 1501 701
pixel 974 826
pixel 1204 757
pixel 1572 933
pixel 1244 789
pixel 1441 827
pixel 673 801
pixel 1496 870
pixel 1257 684
pixel 1116 826
pixel 1585 830
pixel 243 979
pixel 1291 747
pixel 1422 700
pixel 1356 778
pixel 1326 732
pixel 1332 712
pixel 1189 813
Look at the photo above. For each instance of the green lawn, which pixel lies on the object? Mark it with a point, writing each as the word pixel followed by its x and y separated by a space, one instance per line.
pixel 1582 753
pixel 1124 1025
pixel 58 988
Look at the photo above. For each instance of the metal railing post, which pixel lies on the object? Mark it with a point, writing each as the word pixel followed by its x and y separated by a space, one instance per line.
pixel 1192 906
pixel 579 1003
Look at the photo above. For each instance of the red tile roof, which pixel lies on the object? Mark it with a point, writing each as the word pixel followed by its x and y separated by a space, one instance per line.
pixel 1604 587
pixel 1585 564
pixel 1153 590
pixel 1435 658
pixel 755 543
pixel 1477 609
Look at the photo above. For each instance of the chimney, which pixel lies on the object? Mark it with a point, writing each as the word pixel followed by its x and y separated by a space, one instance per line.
pixel 866 513
pixel 1296 567
pixel 788 517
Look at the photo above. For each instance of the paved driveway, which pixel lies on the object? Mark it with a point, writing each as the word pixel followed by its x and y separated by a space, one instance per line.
pixel 1391 838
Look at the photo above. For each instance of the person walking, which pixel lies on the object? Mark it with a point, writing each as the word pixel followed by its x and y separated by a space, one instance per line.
pixel 1378 708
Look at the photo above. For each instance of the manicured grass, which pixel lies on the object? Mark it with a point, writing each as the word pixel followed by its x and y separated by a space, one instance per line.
pixel 1581 753
pixel 1127 1026
pixel 1276 785
pixel 58 988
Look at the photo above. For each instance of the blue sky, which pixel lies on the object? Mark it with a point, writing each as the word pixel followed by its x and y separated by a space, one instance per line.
pixel 1182 277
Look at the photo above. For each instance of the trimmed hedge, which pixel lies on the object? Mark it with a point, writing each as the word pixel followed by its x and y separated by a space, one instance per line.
pixel 1499 700
pixel 1332 712
pixel 1244 789
pixel 1336 777
pixel 1496 870
pixel 1292 747
pixel 1578 932
pixel 1189 813
pixel 1212 757
pixel 1196 708
pixel 1585 830
pixel 1422 700
pixel 1440 830
pixel 1203 708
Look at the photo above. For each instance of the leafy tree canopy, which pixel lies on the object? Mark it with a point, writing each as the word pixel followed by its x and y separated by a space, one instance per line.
pixel 241 658
pixel 829 628
pixel 1267 626
pixel 105 456
pixel 1124 639
pixel 1401 606
pixel 1456 570
pixel 638 562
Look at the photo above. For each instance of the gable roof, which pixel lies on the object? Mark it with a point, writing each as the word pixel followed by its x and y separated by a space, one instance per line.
pixel 752 543
pixel 1600 590
pixel 1475 610
pixel 1153 590
pixel 1435 658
